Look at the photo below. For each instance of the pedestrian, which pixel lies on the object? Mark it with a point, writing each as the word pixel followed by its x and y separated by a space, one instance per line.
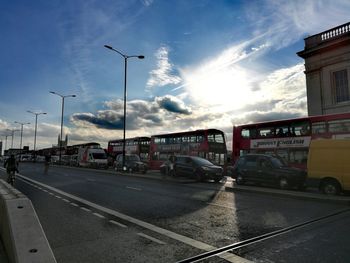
pixel 47 163
pixel 11 166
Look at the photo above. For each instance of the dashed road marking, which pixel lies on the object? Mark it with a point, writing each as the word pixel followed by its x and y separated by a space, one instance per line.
pixel 151 238
pixel 74 204
pixel 98 215
pixel 85 209
pixel 117 223
pixel 134 188
pixel 64 199
pixel 178 237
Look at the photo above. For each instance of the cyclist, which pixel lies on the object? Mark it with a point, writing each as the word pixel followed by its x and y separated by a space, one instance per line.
pixel 11 166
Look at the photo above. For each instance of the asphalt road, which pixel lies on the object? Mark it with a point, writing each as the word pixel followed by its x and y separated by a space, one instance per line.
pixel 91 216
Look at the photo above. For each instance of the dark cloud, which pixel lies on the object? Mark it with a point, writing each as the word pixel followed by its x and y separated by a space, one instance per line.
pixel 140 113
pixel 173 104
pixel 101 121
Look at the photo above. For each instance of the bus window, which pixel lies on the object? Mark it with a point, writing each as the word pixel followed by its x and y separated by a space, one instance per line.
pixel 219 138
pixel 319 127
pixel 245 133
pixel 300 129
pixel 200 138
pixel 298 156
pixel 193 138
pixel 339 126
pixel 211 138
pixel 282 131
pixel 266 132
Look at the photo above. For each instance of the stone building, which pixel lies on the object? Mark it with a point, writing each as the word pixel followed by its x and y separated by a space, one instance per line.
pixel 327 70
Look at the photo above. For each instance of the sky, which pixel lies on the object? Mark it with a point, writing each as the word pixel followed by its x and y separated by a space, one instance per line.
pixel 208 64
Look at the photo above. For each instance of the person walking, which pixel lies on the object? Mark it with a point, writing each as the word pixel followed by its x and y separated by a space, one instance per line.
pixel 47 163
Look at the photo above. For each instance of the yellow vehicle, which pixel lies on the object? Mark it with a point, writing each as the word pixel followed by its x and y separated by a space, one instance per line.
pixel 328 165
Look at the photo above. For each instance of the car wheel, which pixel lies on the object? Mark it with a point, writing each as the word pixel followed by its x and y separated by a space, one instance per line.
pixel 283 183
pixel 217 179
pixel 330 187
pixel 239 180
pixel 199 178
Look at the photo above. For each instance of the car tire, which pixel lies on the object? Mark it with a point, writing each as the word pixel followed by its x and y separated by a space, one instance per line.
pixel 239 180
pixel 217 180
pixel 198 177
pixel 330 187
pixel 283 183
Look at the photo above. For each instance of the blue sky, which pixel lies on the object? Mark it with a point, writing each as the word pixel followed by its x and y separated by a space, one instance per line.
pixel 208 64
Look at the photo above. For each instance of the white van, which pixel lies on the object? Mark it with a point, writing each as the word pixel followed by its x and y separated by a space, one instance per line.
pixel 92 157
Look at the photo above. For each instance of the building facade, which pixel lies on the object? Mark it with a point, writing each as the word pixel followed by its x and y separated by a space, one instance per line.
pixel 327 70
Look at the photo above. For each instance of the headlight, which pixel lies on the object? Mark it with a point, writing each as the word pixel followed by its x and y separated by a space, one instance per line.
pixel 205 168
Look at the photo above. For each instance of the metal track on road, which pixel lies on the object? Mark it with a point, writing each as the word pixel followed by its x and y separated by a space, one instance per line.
pixel 260 238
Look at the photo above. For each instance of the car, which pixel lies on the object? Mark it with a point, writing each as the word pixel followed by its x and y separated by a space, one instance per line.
pixel 269 170
pixel 133 163
pixel 197 167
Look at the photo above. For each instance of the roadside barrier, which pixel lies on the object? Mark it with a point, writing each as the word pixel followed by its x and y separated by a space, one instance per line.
pixel 21 233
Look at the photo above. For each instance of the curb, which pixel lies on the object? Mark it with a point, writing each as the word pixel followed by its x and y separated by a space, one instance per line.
pixel 22 235
pixel 290 194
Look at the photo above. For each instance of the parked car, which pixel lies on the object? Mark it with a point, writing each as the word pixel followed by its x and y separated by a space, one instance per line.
pixel 197 167
pixel 133 163
pixel 269 170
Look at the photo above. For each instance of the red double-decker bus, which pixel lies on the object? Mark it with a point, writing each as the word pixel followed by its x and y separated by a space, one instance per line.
pixel 209 144
pixel 289 139
pixel 137 145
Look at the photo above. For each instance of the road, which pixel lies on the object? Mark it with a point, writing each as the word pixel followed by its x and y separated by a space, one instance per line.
pixel 98 216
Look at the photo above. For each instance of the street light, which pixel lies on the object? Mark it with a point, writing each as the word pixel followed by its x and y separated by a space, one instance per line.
pixel 63 97
pixel 22 123
pixel 36 125
pixel 125 73
pixel 12 134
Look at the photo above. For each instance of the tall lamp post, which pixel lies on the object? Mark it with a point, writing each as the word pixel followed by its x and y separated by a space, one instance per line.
pixel 21 123
pixel 63 97
pixel 36 126
pixel 12 135
pixel 125 74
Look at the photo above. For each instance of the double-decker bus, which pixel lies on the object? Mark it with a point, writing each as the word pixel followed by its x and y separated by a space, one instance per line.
pixel 137 145
pixel 289 139
pixel 209 144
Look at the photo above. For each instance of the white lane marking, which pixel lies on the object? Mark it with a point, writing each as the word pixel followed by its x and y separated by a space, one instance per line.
pixel 74 204
pixel 64 199
pixel 151 238
pixel 117 223
pixel 58 197
pixel 184 239
pixel 134 188
pixel 85 209
pixel 98 215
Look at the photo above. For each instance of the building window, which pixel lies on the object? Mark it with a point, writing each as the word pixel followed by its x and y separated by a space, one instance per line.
pixel 341 86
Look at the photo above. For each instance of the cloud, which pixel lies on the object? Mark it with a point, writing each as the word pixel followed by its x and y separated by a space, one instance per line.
pixel 173 104
pixel 164 74
pixel 140 113
pixel 282 23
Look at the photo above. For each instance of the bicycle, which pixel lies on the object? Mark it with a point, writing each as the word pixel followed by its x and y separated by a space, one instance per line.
pixel 11 177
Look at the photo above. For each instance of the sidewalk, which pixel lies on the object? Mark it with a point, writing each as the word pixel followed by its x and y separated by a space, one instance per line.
pixel 309 194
